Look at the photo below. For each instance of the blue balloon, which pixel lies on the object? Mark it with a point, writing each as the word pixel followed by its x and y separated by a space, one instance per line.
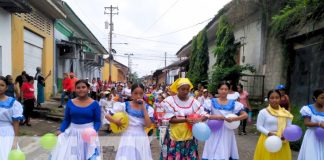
pixel 201 131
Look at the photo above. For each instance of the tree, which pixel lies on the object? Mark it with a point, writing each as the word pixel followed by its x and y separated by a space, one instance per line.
pixel 225 67
pixel 199 59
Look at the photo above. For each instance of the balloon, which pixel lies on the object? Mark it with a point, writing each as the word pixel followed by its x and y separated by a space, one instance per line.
pixel 192 116
pixel 16 155
pixel 232 125
pixel 292 133
pixel 48 141
pixel 124 120
pixel 319 132
pixel 214 125
pixel 201 131
pixel 88 135
pixel 273 144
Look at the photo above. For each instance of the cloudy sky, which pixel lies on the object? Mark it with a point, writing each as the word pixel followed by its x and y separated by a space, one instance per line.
pixel 149 27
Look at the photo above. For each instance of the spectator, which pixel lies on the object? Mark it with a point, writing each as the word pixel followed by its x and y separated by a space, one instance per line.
pixel 73 81
pixel 11 90
pixel 284 102
pixel 94 89
pixel 67 88
pixel 40 85
pixel 27 90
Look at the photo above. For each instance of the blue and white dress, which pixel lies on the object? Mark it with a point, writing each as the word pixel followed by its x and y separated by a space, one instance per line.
pixel 312 148
pixel 10 110
pixel 134 143
pixel 221 144
pixel 70 145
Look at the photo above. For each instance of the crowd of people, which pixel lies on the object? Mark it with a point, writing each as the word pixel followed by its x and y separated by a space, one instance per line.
pixel 169 109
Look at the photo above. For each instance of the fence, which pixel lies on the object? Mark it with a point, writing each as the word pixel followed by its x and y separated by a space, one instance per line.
pixel 254 84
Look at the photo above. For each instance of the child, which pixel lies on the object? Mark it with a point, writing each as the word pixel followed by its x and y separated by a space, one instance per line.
pixel 134 143
pixel 106 105
pixel 159 112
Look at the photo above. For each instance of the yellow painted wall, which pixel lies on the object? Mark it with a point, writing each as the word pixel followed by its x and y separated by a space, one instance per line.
pixel 18 26
pixel 105 72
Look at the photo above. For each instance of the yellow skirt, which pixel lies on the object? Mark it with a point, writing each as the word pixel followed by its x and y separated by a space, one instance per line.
pixel 261 153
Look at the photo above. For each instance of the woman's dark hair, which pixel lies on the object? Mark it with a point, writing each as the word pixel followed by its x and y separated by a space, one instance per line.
pixel 82 81
pixel 316 93
pixel 240 85
pixel 233 86
pixel 223 83
pixel 29 78
pixel 131 82
pixel 136 85
pixel 4 79
pixel 272 91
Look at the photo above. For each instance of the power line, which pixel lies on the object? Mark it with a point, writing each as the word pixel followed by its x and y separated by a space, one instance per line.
pixel 179 30
pixel 133 37
pixel 165 12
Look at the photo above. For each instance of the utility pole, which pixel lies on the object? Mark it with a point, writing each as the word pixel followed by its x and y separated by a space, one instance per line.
pixel 129 64
pixel 165 56
pixel 111 25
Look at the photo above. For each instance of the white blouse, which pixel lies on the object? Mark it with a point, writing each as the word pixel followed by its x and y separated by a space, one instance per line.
pixel 176 107
pixel 267 123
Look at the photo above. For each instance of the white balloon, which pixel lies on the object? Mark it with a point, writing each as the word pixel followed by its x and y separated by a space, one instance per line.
pixel 232 125
pixel 273 144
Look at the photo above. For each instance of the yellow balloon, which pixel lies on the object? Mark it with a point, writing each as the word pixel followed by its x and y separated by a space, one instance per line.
pixel 124 121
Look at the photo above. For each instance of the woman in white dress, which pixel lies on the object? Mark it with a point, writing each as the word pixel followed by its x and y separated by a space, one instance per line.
pixel 313 148
pixel 80 114
pixel 10 113
pixel 134 143
pixel 222 143
pixel 179 142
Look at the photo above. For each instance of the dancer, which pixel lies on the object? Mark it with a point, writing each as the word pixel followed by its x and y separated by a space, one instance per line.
pixel 271 122
pixel 10 114
pixel 81 113
pixel 134 143
pixel 222 143
pixel 179 142
pixel 312 148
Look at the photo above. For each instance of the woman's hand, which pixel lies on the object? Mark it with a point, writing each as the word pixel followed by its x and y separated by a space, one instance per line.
pixel 119 124
pixel 58 133
pixel 190 121
pixel 272 134
pixel 230 119
pixel 321 124
pixel 141 103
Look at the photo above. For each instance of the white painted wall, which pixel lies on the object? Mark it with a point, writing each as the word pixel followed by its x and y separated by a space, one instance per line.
pixel 5 43
pixel 252 47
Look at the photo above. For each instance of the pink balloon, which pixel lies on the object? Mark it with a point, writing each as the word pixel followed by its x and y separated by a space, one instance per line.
pixel 88 135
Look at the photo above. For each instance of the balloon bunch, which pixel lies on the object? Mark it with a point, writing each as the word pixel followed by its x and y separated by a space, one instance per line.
pixel 149 99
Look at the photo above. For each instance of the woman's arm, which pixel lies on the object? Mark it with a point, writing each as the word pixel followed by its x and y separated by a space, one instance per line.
pixel 15 124
pixel 308 123
pixel 49 73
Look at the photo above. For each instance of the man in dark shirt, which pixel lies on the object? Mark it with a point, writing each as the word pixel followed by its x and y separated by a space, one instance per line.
pixel 21 78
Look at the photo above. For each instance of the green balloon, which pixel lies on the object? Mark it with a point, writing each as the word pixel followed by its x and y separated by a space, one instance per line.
pixel 16 155
pixel 151 98
pixel 48 141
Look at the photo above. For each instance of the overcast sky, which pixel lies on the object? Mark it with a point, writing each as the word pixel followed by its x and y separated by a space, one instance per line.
pixel 150 27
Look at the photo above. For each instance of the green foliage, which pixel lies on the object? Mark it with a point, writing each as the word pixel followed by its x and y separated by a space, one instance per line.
pixel 232 73
pixel 225 50
pixel 225 67
pixel 199 60
pixel 297 12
